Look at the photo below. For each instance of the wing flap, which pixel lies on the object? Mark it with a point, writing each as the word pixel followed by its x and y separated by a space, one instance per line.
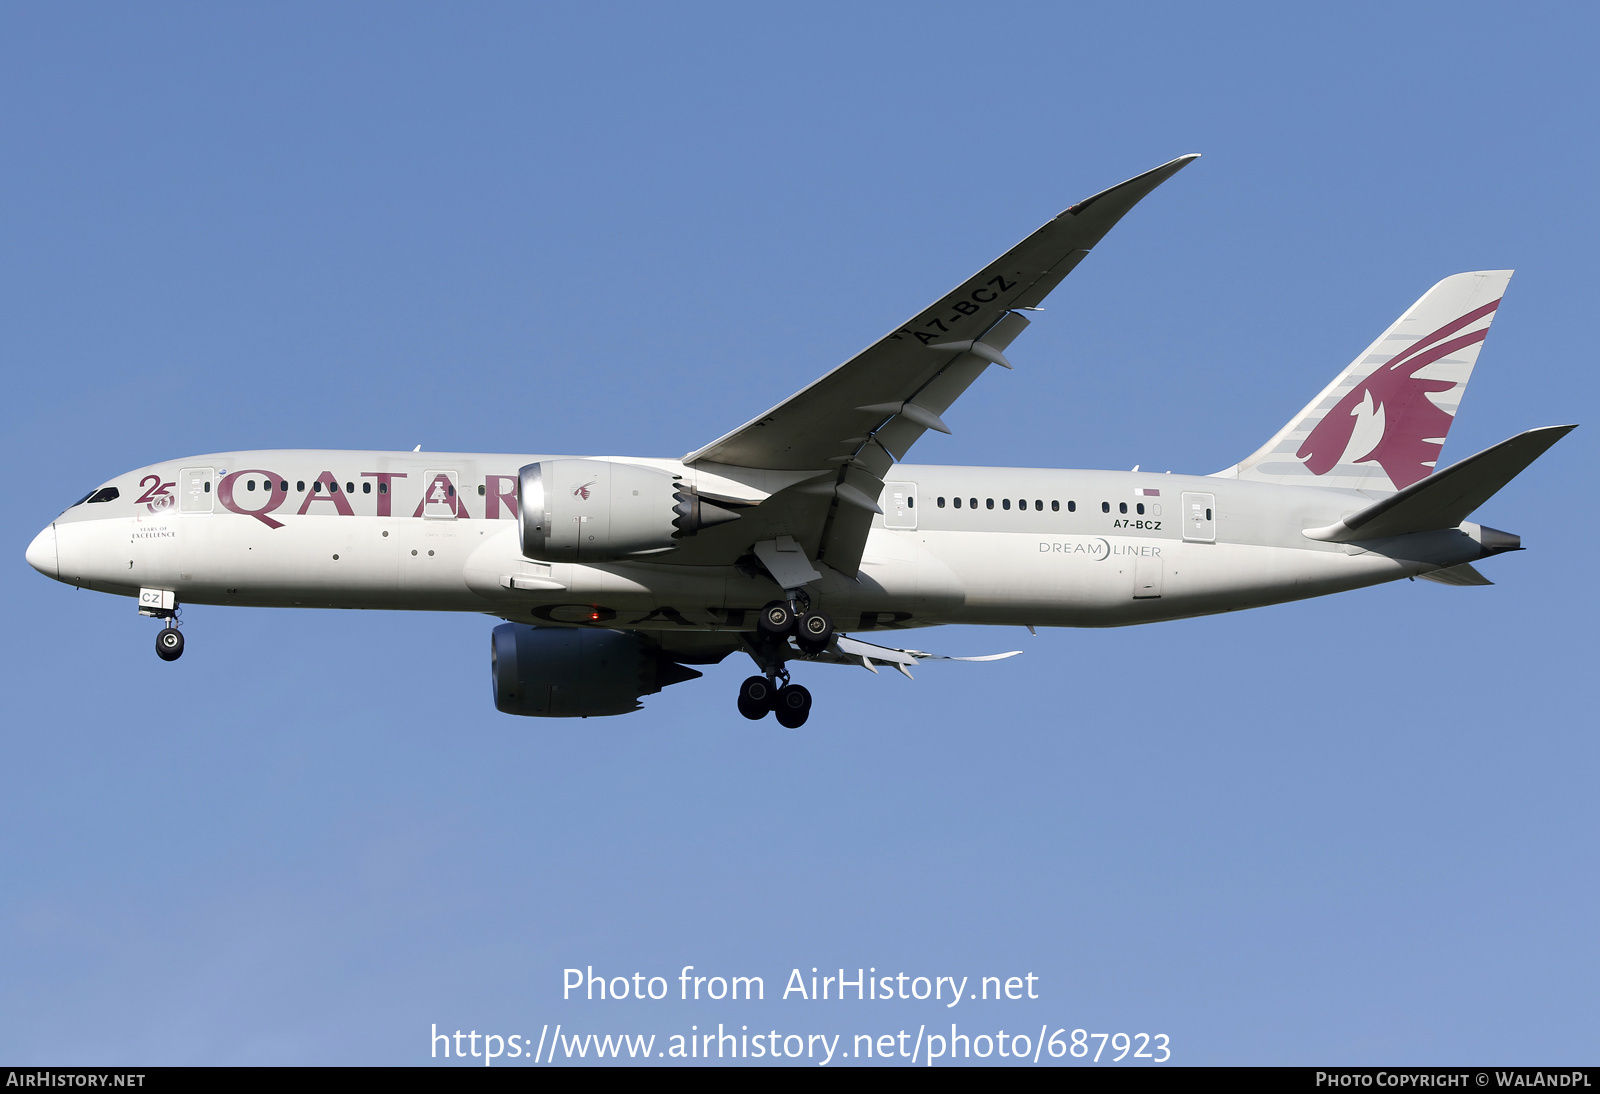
pixel 1464 574
pixel 852 651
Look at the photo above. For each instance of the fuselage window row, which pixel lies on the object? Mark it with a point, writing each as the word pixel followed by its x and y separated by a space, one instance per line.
pixel 316 487
pixel 1005 503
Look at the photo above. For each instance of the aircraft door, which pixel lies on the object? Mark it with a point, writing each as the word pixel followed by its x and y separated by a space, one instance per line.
pixel 441 496
pixel 195 486
pixel 1199 518
pixel 900 506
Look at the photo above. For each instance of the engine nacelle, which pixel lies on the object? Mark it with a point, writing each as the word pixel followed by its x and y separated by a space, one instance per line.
pixel 576 672
pixel 597 510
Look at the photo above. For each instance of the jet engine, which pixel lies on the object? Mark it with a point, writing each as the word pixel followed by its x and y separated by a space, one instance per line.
pixel 597 511
pixel 576 672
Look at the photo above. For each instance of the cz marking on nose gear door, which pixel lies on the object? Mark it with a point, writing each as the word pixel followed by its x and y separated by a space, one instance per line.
pixel 194 489
pixel 900 506
pixel 1199 518
pixel 441 496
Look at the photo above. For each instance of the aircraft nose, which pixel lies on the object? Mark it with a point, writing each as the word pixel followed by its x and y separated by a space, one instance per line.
pixel 42 552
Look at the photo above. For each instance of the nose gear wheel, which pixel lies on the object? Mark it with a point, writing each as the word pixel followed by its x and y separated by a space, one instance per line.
pixel 169 644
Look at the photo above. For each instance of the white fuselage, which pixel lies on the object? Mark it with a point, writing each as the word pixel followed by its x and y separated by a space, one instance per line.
pixel 438 531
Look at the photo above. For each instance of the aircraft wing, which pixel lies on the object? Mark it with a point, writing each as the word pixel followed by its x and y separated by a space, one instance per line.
pixel 853 424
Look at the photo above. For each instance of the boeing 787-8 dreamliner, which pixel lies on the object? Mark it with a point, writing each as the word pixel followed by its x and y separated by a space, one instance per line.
pixel 803 530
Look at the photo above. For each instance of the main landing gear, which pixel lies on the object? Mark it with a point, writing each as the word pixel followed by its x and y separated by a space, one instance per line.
pixel 812 630
pixel 790 703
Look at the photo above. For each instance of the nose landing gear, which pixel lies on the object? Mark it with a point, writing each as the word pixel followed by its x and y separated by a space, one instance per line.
pixel 169 643
pixel 162 604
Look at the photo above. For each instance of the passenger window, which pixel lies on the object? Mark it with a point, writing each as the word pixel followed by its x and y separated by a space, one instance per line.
pixel 1122 507
pixel 300 485
pixel 958 502
pixel 349 488
pixel 366 488
pixel 1072 506
pixel 1208 514
pixel 1005 503
pixel 1139 508
pixel 911 502
pixel 284 485
pixel 1105 507
pixel 972 503
pixel 207 487
pixel 1038 505
pixel 383 488
pixel 481 491
pixel 453 494
pixel 941 503
pixel 249 484
pixel 988 503
pixel 316 487
pixel 1055 506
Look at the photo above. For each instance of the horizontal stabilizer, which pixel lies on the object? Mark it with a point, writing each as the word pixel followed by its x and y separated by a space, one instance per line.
pixel 1463 574
pixel 1445 498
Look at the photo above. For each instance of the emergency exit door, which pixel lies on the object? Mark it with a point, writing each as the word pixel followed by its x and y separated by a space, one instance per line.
pixel 1199 518
pixel 194 489
pixel 440 500
pixel 900 505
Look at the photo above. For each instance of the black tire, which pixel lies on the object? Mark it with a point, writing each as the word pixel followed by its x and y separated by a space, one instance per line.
pixel 755 698
pixel 793 706
pixel 169 644
pixel 814 631
pixel 776 620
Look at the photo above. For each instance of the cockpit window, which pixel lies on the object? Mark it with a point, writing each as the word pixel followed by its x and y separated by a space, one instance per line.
pixel 109 493
pixel 81 500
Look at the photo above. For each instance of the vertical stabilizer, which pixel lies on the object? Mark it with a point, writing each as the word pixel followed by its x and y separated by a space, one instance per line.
pixel 1379 426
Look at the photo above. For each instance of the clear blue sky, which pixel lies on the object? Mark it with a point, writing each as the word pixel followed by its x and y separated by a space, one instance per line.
pixel 1351 830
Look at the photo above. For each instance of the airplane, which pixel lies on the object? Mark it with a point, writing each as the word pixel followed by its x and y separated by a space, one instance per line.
pixel 802 533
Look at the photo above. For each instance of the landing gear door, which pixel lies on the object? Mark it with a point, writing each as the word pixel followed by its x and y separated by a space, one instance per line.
pixel 440 495
pixel 1199 518
pixel 900 505
pixel 194 489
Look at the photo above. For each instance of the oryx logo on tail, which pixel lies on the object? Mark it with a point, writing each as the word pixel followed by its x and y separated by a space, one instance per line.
pixel 1411 429
pixel 1380 425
